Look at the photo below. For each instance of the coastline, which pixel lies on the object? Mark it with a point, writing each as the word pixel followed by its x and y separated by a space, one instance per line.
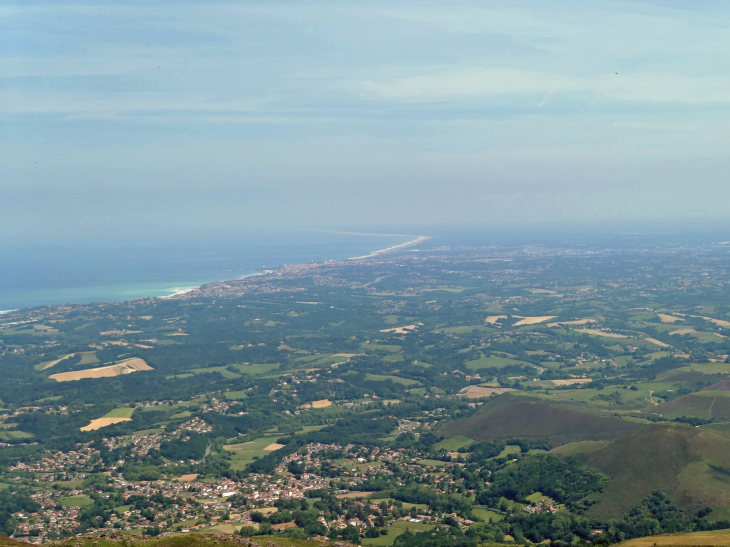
pixel 419 239
pixel 34 298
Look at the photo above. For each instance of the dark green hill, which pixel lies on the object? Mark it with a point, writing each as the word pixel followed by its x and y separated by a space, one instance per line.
pixel 508 416
pixel 690 464
pixel 710 402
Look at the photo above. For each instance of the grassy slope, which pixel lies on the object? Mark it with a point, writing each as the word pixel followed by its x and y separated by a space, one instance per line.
pixel 703 404
pixel 508 416
pixel 690 464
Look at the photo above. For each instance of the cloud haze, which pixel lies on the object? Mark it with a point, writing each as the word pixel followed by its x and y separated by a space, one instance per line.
pixel 166 117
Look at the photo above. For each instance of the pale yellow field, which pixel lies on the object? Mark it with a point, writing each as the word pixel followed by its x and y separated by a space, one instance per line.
pixel 274 446
pixel 657 342
pixel 45 328
pixel 323 403
pixel 716 537
pixel 401 330
pixel 541 291
pixel 49 365
pixel 187 478
pixel 601 333
pixel 668 318
pixel 533 320
pixel 571 381
pixel 492 319
pixel 718 322
pixel 125 367
pixel 354 495
pixel 103 422
pixel 688 330
pixel 578 322
pixel 474 392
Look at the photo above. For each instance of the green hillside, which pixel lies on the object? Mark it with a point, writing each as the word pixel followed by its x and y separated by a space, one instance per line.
pixel 703 404
pixel 535 419
pixel 690 464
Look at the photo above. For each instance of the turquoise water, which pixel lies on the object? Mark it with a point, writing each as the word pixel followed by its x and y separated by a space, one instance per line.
pixel 39 275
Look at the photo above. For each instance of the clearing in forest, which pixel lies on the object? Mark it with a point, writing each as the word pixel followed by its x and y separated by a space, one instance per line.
pixel 125 367
pixel 475 392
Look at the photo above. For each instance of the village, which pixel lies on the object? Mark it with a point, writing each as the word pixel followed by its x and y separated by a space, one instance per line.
pixel 190 503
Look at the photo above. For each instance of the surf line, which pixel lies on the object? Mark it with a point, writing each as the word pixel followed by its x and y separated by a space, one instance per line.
pixel 419 239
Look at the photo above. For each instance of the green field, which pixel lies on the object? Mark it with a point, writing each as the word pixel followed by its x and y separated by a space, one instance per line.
pixel 494 362
pixel 486 514
pixel 454 443
pixel 397 379
pixel 222 370
pixel 119 413
pixel 13 435
pixel 76 501
pixel 245 453
pixel 395 530
pixel 236 395
pixel 257 369
pixel 509 449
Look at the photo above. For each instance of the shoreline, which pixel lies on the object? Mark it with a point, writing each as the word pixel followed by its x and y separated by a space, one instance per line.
pixel 178 291
pixel 419 239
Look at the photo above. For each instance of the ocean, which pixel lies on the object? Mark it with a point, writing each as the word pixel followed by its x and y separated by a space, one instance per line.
pixel 34 275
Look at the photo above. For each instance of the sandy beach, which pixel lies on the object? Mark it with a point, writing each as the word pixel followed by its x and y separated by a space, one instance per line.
pixel 419 239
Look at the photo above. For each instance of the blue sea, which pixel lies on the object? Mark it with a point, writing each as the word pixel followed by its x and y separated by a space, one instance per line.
pixel 39 275
pixel 33 274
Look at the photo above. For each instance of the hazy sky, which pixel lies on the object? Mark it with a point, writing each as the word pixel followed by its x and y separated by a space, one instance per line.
pixel 149 117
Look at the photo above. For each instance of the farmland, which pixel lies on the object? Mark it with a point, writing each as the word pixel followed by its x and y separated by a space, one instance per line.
pixel 475 396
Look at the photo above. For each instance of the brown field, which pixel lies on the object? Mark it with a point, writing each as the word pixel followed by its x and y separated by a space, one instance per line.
pixel 601 333
pixel 474 392
pixel 323 403
pixel 49 365
pixel 274 446
pixel 571 381
pixel 492 319
pixel 283 526
pixel 354 495
pixel 103 422
pixel 533 320
pixel 716 537
pixel 125 367
pixel 668 318
pixel 402 330
pixel 578 322
pixel 187 478
pixel 657 342
pixel 718 322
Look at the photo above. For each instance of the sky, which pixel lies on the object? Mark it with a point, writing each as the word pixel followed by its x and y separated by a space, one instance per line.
pixel 145 118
